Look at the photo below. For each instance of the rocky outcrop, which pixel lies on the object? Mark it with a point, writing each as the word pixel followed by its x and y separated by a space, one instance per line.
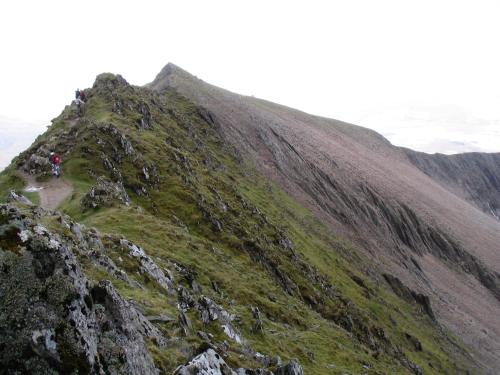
pixel 403 291
pixel 207 363
pixel 109 82
pixel 148 266
pixel 145 120
pixel 52 319
pixel 211 363
pixel 258 325
pixel 105 193
pixel 292 368
pixel 37 164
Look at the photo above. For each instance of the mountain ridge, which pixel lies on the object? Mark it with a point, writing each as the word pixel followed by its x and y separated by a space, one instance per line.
pixel 227 194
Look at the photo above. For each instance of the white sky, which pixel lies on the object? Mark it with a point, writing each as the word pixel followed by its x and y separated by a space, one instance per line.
pixel 426 74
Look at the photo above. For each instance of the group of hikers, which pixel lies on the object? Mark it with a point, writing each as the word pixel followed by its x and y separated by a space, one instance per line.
pixel 55 159
pixel 80 99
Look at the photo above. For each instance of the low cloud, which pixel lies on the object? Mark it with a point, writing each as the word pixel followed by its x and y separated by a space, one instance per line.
pixel 15 136
pixel 445 130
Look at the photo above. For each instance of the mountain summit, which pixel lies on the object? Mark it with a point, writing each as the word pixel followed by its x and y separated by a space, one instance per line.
pixel 202 231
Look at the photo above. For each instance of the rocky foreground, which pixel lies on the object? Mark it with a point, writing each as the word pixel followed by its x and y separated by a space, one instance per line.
pixel 54 320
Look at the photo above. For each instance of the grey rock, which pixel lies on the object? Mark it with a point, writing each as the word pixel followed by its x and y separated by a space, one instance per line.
pixel 184 322
pixel 145 122
pixel 109 82
pixel 148 266
pixel 184 298
pixel 126 145
pixel 207 363
pixel 14 197
pixel 104 194
pixel 44 344
pixel 210 311
pixel 258 325
pixel 291 368
pixel 37 164
pixel 232 333
pixel 212 363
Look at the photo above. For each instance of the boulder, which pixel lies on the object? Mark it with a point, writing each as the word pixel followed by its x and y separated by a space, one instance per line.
pixel 104 194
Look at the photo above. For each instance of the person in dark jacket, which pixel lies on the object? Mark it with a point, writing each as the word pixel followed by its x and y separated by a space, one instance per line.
pixel 77 94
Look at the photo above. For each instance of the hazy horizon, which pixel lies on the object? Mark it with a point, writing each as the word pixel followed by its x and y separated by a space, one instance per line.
pixel 422 74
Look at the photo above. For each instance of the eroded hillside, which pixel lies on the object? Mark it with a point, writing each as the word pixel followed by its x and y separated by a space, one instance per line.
pixel 424 229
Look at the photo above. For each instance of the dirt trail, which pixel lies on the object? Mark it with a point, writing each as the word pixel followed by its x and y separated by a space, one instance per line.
pixel 52 192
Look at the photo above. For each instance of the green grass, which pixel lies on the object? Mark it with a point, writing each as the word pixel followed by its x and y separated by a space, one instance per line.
pixel 34 197
pixel 9 181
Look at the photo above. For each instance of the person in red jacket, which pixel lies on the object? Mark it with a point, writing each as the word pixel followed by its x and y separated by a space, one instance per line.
pixel 55 162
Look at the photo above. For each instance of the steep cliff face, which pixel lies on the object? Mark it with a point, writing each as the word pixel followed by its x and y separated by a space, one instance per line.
pixel 211 231
pixel 473 176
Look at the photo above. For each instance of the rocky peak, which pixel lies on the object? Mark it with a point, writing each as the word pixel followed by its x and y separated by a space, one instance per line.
pixel 109 81
pixel 170 76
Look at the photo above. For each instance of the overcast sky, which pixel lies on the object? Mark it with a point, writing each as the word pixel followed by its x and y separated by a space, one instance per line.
pixel 426 74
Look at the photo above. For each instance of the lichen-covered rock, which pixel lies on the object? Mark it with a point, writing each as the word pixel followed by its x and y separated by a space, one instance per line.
pixel 122 323
pixel 104 194
pixel 37 164
pixel 52 319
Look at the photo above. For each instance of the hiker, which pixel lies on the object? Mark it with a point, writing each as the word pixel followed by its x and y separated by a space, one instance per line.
pixel 77 94
pixel 55 162
pixel 79 106
pixel 82 95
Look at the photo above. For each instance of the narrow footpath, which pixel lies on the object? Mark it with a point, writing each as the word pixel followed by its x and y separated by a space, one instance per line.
pixel 52 192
